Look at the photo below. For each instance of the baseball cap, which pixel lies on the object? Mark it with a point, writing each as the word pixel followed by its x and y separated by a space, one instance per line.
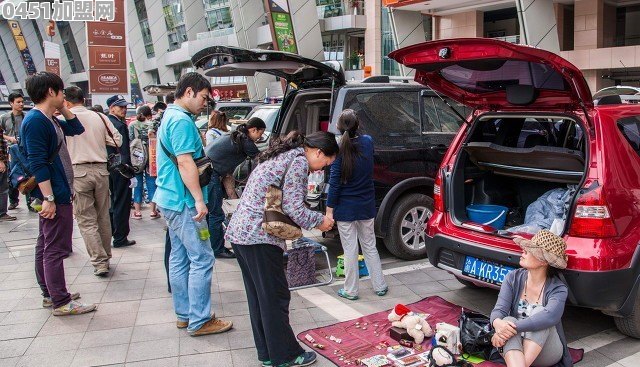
pixel 117 100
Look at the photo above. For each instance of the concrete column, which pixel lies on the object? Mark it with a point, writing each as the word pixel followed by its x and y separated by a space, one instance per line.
pixel 588 24
pixel 373 36
pixel 538 24
pixel 306 27
pixel 467 24
pixel 409 30
pixel 158 30
pixel 30 36
pixel 13 55
pixel 136 49
pixel 194 17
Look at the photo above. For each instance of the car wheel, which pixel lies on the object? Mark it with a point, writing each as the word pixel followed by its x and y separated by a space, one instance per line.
pixel 406 236
pixel 630 325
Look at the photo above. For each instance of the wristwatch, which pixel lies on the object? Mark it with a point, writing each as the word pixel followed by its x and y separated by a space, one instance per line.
pixel 50 198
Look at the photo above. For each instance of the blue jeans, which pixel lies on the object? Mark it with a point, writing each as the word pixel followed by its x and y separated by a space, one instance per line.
pixel 190 268
pixel 151 187
pixel 216 215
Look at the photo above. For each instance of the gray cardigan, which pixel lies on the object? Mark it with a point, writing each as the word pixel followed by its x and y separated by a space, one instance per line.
pixel 553 301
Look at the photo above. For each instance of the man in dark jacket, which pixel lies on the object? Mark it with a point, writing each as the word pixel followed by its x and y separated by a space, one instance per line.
pixel 43 138
pixel 119 185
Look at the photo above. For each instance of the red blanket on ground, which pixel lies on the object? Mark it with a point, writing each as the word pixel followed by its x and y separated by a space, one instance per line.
pixel 358 343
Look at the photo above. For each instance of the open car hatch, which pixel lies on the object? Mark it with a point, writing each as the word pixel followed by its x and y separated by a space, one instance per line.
pixel 224 61
pixel 497 75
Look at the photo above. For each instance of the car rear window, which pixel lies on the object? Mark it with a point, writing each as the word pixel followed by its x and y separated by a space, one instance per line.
pixel 392 119
pixel 236 112
pixel 485 76
pixel 630 129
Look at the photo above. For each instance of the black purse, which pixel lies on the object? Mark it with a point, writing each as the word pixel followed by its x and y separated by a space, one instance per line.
pixel 204 165
pixel 114 160
pixel 475 334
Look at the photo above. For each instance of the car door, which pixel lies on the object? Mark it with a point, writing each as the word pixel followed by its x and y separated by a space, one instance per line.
pixel 439 126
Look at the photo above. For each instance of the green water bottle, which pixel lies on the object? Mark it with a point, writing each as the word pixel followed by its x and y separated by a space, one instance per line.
pixel 203 230
pixel 36 204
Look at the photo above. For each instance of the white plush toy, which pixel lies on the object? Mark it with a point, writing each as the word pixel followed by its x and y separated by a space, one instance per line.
pixel 417 327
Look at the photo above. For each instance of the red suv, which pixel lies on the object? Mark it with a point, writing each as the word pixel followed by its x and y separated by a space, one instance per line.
pixel 534 129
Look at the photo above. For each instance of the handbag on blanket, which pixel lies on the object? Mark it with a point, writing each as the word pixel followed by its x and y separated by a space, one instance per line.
pixel 275 222
pixel 301 266
pixel 475 334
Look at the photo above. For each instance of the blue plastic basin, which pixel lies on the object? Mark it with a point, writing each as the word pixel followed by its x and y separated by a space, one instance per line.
pixel 491 215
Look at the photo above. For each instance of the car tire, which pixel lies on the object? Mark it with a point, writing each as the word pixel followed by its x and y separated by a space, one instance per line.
pixel 630 325
pixel 404 227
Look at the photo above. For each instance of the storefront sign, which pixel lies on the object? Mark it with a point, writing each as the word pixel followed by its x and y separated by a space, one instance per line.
pixel 153 163
pixel 283 29
pixel 25 54
pixel 110 58
pixel 108 81
pixel 106 46
pixel 226 92
pixel 51 57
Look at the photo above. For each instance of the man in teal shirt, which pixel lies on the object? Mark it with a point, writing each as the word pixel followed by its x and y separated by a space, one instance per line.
pixel 184 205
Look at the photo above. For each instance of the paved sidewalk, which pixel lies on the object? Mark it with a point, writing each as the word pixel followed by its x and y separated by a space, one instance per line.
pixel 135 323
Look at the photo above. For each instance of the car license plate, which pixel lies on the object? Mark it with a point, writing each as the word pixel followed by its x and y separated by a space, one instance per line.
pixel 485 270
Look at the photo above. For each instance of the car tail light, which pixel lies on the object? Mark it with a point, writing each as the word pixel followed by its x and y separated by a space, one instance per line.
pixel 592 218
pixel 438 203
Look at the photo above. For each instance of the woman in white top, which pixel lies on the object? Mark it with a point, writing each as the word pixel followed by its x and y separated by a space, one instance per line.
pixel 216 127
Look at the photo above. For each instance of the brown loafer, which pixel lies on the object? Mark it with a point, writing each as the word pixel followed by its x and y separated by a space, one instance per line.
pixel 213 326
pixel 182 324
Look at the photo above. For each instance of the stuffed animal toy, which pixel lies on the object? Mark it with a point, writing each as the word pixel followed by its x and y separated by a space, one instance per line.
pixel 417 327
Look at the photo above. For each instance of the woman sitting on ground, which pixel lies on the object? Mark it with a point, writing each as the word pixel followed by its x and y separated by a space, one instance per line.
pixel 527 315
pixel 226 153
pixel 260 255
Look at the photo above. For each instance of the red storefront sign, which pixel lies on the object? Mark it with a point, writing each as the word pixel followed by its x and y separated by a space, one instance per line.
pixel 52 66
pixel 111 58
pixel 106 45
pixel 225 92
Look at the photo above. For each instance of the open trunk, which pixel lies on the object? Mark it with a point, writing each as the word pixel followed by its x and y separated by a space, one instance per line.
pixel 512 161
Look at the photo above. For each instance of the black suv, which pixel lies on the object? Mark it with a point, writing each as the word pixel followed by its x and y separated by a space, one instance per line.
pixel 410 125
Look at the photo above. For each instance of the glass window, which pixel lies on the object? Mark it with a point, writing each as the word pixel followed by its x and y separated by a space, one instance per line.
pixel 70 47
pixel 219 19
pixel 34 23
pixel 440 118
pixel 630 129
pixel 486 76
pixel 329 8
pixel 392 119
pixel 268 115
pixel 389 66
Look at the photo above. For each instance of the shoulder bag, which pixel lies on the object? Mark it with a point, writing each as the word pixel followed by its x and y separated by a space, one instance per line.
pixel 275 222
pixel 204 165
pixel 114 160
pixel 21 177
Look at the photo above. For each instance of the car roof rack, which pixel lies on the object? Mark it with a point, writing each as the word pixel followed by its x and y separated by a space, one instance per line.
pixel 387 79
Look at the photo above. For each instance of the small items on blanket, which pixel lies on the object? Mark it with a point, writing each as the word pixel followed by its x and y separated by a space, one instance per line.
pixel 416 325
pixel 375 361
pixel 448 336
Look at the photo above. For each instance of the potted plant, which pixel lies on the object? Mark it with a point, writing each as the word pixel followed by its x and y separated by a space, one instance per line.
pixel 354 61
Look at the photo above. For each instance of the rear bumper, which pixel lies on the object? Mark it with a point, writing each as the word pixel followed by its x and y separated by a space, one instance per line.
pixel 613 292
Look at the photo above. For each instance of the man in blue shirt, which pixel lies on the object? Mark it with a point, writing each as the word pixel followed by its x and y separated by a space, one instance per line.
pixel 43 140
pixel 184 205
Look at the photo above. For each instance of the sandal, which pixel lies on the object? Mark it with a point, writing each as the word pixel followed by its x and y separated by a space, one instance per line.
pixel 342 293
pixel 155 214
pixel 382 292
pixel 136 215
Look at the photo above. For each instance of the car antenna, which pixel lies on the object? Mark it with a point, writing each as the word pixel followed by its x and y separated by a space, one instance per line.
pixel 464 120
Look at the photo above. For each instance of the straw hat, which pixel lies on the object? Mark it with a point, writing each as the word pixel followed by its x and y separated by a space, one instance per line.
pixel 546 246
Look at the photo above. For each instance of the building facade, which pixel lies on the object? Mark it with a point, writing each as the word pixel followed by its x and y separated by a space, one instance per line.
pixel 600 37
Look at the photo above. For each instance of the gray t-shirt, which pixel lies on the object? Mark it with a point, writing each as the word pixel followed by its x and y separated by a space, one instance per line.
pixel 64 155
pixel 11 126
